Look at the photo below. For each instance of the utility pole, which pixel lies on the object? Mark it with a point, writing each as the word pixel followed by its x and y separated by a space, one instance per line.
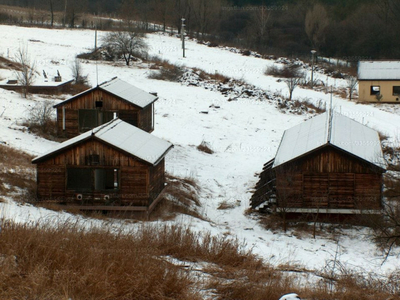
pixel 312 67
pixel 95 35
pixel 183 36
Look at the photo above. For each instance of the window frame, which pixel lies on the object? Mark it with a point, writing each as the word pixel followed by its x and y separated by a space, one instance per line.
pixel 393 90
pixel 97 117
pixel 374 93
pixel 93 172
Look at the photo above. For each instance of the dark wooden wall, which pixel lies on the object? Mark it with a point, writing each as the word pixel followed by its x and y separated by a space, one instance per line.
pixel 157 180
pixel 139 182
pixel 131 114
pixel 329 178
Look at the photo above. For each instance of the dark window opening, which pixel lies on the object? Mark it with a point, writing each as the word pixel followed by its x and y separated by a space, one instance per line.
pixel 88 179
pixel 375 90
pixel 99 103
pixel 79 179
pixel 93 159
pixel 91 118
pixel 396 90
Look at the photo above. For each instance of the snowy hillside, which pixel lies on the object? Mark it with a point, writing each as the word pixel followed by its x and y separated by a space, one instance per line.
pixel 243 134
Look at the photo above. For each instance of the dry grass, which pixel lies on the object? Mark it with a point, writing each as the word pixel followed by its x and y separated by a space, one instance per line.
pixel 223 205
pixel 17 174
pixel 205 147
pixel 165 70
pixel 250 280
pixel 218 77
pixel 180 196
pixel 69 263
pixel 9 64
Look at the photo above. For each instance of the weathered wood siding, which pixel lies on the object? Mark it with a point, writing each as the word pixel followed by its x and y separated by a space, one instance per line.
pixel 157 180
pixel 329 178
pixel 146 118
pixel 131 114
pixel 139 182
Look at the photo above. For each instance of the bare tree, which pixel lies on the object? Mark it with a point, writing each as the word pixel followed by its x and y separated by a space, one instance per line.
pixel 351 85
pixel 292 83
pixel 315 23
pixel 27 71
pixel 205 15
pixel 51 13
pixel 127 44
pixel 76 69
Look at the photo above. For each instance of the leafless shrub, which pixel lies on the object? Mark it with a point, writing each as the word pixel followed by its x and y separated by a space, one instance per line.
pixel 41 119
pixel 76 69
pixel 27 72
pixel 287 71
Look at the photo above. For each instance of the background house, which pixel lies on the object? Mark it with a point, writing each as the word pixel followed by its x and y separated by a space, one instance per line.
pixel 96 106
pixel 379 81
pixel 115 166
pixel 328 164
pixel 45 85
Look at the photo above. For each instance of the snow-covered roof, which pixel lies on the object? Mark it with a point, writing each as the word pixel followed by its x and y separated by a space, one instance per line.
pixel 123 136
pixel 379 70
pixel 337 130
pixel 123 90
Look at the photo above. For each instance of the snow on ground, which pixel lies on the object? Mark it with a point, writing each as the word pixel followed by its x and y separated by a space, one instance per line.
pixel 244 135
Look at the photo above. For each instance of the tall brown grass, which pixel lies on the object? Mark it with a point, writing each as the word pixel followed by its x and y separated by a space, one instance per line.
pixel 17 173
pixel 180 196
pixel 65 261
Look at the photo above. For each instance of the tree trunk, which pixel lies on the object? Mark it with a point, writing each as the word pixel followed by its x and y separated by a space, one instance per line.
pixel 51 13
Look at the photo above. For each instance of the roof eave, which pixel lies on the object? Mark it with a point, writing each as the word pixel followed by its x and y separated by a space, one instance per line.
pixel 163 155
pixel 336 147
pixel 58 151
pixel 74 97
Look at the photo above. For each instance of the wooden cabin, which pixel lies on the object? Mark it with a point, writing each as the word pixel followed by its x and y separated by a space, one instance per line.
pixel 329 164
pixel 115 166
pixel 97 106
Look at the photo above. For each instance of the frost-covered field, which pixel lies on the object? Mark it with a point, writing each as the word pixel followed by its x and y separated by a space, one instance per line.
pixel 244 134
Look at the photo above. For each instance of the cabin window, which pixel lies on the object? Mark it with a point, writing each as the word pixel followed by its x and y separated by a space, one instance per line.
pixel 79 179
pixel 396 90
pixel 93 159
pixel 106 179
pixel 90 179
pixel 91 118
pixel 375 89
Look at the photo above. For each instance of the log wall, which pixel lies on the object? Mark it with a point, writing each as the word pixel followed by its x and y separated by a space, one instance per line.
pixel 131 114
pixel 139 183
pixel 329 178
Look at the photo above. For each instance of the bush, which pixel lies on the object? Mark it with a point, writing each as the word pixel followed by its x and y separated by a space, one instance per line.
pixel 287 71
pixel 169 73
pixel 41 120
